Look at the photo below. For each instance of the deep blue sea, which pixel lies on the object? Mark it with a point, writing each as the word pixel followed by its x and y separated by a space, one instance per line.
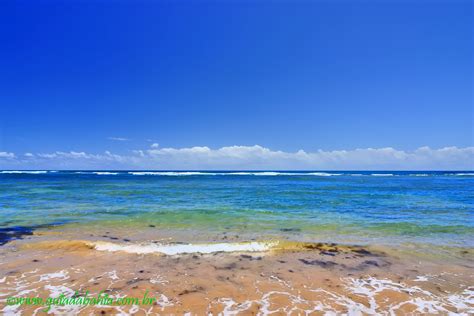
pixel 340 206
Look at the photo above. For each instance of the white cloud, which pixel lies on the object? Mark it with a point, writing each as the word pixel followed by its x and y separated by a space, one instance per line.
pixel 254 157
pixel 68 155
pixel 7 155
pixel 155 145
pixel 120 139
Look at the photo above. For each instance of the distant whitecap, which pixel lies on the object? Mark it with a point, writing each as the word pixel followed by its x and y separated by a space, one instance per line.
pixel 23 172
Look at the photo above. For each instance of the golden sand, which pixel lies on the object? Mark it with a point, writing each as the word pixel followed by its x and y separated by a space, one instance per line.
pixel 290 278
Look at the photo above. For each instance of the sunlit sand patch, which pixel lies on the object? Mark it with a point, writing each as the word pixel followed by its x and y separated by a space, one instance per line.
pixel 70 245
pixel 46 233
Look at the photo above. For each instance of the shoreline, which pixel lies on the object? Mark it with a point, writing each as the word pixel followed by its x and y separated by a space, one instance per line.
pixel 150 238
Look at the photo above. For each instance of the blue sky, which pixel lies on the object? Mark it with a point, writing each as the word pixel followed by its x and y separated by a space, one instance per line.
pixel 118 76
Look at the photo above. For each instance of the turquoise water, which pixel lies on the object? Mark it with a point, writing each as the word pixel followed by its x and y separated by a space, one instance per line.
pixel 425 207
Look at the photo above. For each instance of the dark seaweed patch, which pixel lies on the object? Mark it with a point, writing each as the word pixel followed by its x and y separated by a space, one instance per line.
pixel 366 264
pixel 323 264
pixel 290 229
pixel 230 266
pixel 250 257
pixel 8 234
pixel 314 246
pixel 134 280
pixel 363 252
pixel 193 290
pixel 372 263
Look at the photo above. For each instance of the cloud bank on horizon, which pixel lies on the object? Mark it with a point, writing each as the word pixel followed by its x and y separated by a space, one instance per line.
pixel 248 158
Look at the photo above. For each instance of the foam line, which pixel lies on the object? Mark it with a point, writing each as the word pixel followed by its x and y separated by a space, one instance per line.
pixel 185 248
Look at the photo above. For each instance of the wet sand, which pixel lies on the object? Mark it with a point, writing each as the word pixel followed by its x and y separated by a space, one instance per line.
pixel 290 278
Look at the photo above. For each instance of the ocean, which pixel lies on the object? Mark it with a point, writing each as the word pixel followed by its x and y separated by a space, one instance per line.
pixel 331 206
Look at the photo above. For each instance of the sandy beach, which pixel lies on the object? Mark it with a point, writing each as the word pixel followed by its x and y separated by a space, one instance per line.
pixel 272 277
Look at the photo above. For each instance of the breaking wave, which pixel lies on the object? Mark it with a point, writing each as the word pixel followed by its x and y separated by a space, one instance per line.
pixel 176 249
pixel 246 173
pixel 23 172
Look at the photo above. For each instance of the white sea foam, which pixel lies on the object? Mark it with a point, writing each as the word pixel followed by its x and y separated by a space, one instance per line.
pixel 382 174
pixel 184 248
pixel 236 173
pixel 23 172
pixel 359 296
pixel 158 280
pixel 163 301
pixel 170 173
pixel 324 174
pixel 56 275
pixel 100 173
pixel 260 173
pixel 274 173
pixel 57 290
pixel 424 302
pixel 56 309
pixel 254 173
pixel 318 174
pixel 421 278
pixel 269 173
